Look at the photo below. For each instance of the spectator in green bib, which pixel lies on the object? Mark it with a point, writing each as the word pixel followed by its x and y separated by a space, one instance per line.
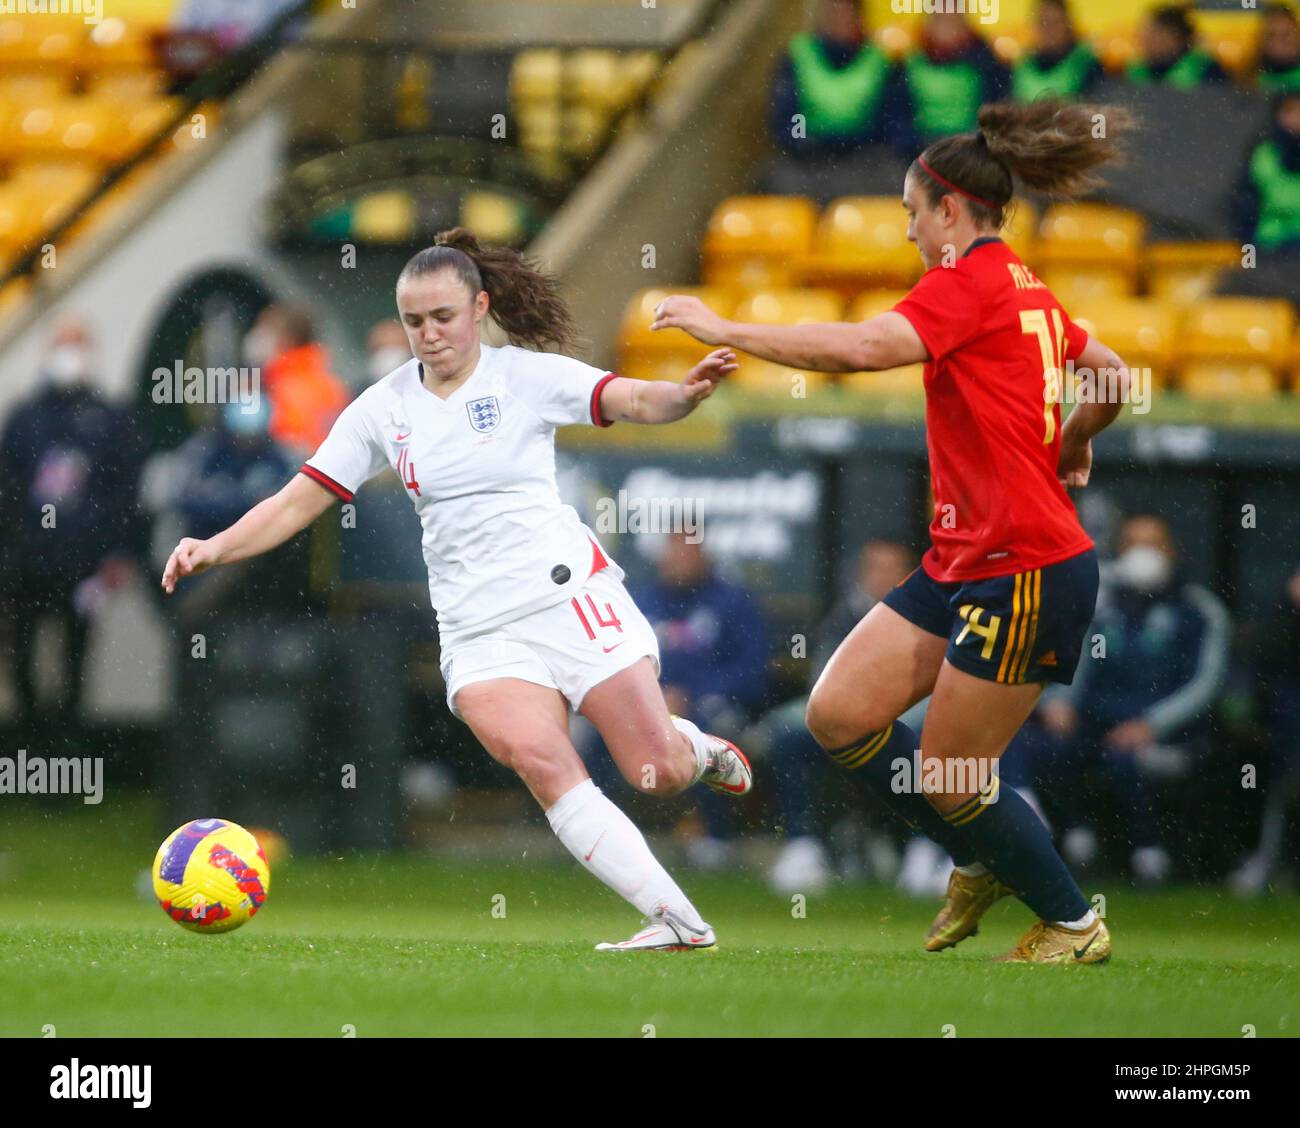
pixel 1279 50
pixel 1061 64
pixel 1268 200
pixel 836 91
pixel 950 76
pixel 1170 55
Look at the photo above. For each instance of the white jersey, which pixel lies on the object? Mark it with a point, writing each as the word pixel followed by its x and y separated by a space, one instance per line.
pixel 479 467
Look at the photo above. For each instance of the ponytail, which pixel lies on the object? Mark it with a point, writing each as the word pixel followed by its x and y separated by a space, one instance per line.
pixel 525 301
pixel 1052 146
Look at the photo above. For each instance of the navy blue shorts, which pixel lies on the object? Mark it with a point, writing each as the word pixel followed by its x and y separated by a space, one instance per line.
pixel 1026 627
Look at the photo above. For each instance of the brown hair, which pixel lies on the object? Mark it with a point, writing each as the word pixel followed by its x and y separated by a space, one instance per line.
pixel 526 301
pixel 1050 145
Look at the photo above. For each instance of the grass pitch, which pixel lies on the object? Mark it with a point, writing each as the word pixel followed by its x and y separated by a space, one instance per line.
pixel 398 945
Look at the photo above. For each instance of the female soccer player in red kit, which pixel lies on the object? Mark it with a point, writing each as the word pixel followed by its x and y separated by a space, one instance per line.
pixel 1005 595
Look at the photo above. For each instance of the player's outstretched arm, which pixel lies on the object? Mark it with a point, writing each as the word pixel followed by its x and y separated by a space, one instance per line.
pixel 266 526
pixel 1102 391
pixel 662 401
pixel 887 341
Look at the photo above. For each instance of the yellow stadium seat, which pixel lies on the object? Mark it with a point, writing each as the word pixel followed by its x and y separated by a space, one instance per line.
pixel 784 307
pixel 752 242
pixel 790 307
pixel 873 303
pixel 895 39
pixel 585 128
pixel 78 127
pixel 1230 380
pixel 124 84
pixel 775 379
pixel 1077 287
pixel 34 87
pixel 1141 330
pixel 114 44
pixel 20 223
pixel 57 177
pixel 1256 331
pixel 1021 230
pixel 860 241
pixel 1231 37
pixel 537 75
pixel 48 41
pixel 1117 48
pixel 1090 235
pixel 656 366
pixel 1184 273
pixel 635 335
pixel 608 80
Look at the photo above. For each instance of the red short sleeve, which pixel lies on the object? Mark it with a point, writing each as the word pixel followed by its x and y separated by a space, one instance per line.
pixel 944 309
pixel 1076 339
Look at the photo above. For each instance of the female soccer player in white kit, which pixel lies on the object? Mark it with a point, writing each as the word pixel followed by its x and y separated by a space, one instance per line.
pixel 532 615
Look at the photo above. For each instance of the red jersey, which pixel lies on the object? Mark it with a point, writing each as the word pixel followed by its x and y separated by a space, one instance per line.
pixel 998 342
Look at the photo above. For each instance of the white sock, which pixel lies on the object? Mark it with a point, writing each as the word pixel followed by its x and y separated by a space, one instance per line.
pixel 975 869
pixel 1084 921
pixel 699 744
pixel 608 844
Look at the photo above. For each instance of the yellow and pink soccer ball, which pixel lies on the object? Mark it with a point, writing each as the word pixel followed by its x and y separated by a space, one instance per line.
pixel 211 875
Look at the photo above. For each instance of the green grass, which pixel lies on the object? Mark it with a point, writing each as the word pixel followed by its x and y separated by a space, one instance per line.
pixel 399 945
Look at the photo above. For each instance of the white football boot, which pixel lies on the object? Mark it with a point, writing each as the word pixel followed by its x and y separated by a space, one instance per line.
pixel 665 931
pixel 728 770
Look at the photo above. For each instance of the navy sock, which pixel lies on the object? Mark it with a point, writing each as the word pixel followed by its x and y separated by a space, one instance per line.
pixel 1009 838
pixel 871 760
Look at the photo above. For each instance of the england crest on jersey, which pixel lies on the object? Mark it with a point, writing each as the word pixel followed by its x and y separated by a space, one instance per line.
pixel 484 414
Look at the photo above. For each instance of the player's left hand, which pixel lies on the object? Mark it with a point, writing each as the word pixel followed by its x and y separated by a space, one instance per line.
pixel 703 380
pixel 1075 465
pixel 692 315
pixel 1131 735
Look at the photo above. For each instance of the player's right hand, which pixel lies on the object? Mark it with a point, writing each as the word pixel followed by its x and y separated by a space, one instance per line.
pixel 188 558
pixel 692 315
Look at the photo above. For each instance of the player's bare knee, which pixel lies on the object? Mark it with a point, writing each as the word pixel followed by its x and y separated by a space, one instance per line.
pixel 834 728
pixel 660 770
pixel 533 761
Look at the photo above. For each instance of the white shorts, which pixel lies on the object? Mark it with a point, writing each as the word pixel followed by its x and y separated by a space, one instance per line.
pixel 571 646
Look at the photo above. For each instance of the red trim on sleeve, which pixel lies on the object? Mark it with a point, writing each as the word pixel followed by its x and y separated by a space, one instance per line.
pixel 596 418
pixel 326 481
pixel 598 561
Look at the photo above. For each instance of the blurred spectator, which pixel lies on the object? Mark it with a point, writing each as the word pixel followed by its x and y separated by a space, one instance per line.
pixel 205 485
pixel 794 759
pixel 1139 708
pixel 1279 51
pixel 386 348
pixel 69 461
pixel 1169 54
pixel 232 22
pixel 1060 63
pixel 950 77
pixel 713 648
pixel 306 397
pixel 846 89
pixel 1277 668
pixel 1267 201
